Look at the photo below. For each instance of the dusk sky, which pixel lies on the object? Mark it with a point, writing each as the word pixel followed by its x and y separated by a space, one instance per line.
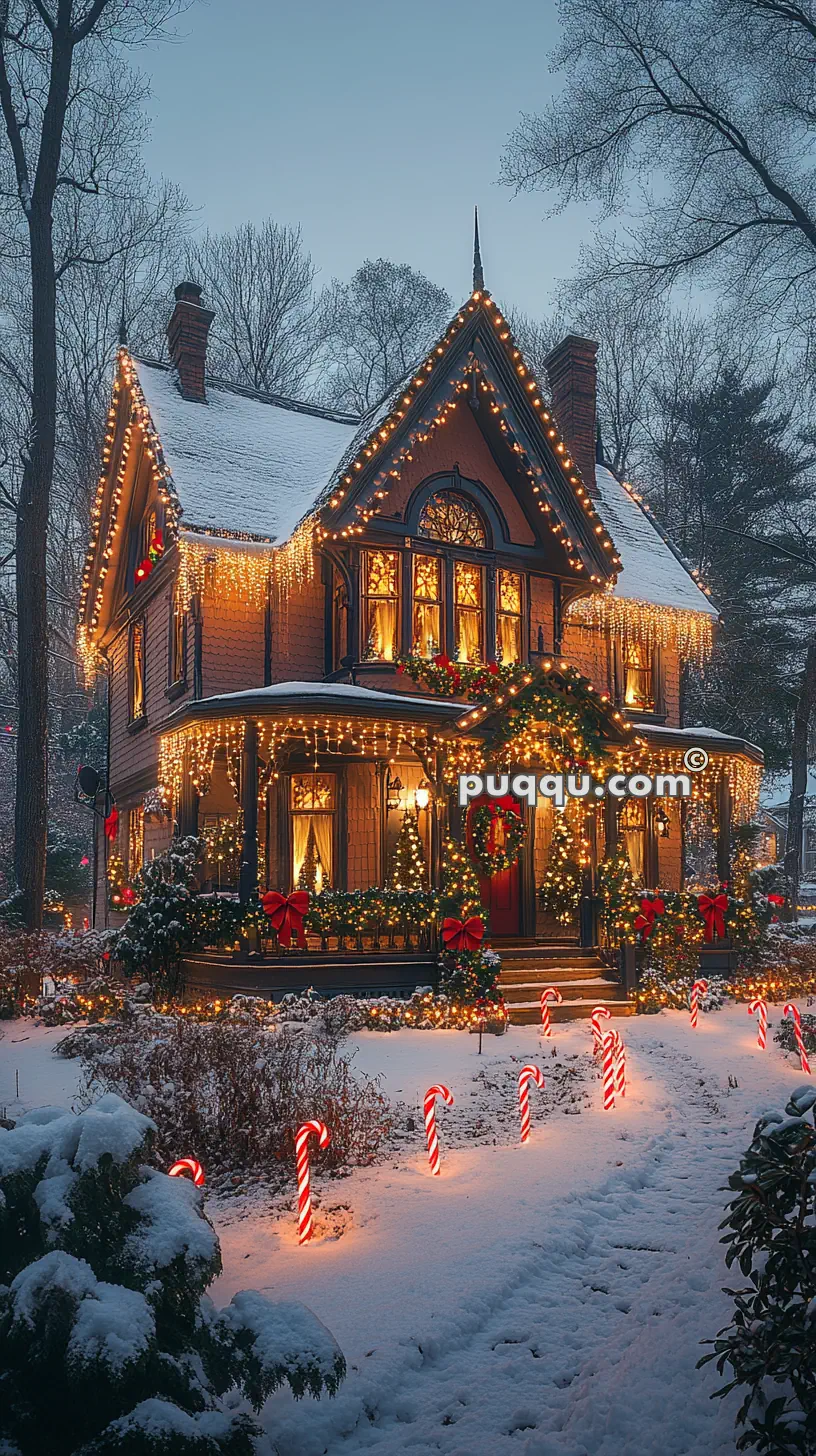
pixel 375 126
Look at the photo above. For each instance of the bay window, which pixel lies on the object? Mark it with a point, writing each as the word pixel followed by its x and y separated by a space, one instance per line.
pixel 381 571
pixel 426 629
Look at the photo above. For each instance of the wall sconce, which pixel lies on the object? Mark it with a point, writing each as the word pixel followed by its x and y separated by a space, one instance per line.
pixel 422 795
pixel 662 823
pixel 393 789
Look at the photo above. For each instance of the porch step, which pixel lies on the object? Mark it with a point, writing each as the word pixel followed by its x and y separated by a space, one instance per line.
pixel 579 990
pixel 528 1013
pixel 580 975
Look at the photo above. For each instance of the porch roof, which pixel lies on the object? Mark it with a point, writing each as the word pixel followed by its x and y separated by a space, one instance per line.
pixel 343 699
pixel 709 738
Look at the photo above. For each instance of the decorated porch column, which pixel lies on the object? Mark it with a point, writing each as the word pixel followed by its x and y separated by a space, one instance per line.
pixel 187 810
pixel 248 879
pixel 724 828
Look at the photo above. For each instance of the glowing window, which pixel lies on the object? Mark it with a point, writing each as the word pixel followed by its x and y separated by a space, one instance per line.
pixel 136 672
pixel 426 631
pixel 135 841
pixel 638 676
pixel 312 801
pixel 450 517
pixel 508 616
pixel 468 612
pixel 381 571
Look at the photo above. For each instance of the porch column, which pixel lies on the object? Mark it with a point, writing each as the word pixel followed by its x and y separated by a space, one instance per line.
pixel 380 781
pixel 438 808
pixel 724 828
pixel 187 807
pixel 248 878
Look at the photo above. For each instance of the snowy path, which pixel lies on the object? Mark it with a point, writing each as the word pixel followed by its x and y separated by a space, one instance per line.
pixel 539 1301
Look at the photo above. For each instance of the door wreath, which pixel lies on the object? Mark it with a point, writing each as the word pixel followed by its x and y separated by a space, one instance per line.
pixel 497 835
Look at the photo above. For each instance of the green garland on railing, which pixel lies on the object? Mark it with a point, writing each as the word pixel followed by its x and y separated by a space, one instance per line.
pixel 478 682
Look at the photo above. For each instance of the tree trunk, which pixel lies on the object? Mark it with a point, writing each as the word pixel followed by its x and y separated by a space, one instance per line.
pixel 799 770
pixel 31 804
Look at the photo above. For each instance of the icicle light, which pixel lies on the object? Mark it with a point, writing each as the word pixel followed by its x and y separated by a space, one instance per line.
pixel 689 633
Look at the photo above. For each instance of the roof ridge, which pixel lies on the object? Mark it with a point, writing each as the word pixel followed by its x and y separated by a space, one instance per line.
pixel 281 401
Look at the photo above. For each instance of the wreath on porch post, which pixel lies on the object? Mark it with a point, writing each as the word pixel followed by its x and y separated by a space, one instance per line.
pixel 498 835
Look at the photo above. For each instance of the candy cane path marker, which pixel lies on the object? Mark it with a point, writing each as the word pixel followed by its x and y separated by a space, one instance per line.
pixel 595 1023
pixel 321 1132
pixel 550 993
pixel 188 1167
pixel 793 1012
pixel 608 1058
pixel 526 1076
pixel 762 1025
pixel 620 1064
pixel 694 1002
pixel 430 1122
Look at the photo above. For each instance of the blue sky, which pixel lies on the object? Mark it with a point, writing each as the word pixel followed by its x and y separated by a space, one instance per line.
pixel 376 126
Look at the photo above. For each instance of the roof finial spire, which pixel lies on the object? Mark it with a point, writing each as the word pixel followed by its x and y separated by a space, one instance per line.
pixel 478 275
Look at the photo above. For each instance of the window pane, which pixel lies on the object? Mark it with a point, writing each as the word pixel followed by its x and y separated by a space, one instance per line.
pixel 382 573
pixel 508 638
pixel 638 692
pixel 312 791
pixel 428 578
pixel 312 852
pixel 467 584
pixel 426 628
pixel 509 594
pixel 448 516
pixel 137 678
pixel 380 631
pixel 468 627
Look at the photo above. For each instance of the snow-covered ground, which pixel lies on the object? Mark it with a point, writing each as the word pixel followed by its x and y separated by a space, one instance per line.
pixel 546 1300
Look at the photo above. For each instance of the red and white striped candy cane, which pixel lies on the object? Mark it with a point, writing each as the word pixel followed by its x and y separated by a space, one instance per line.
pixel 185 1167
pixel 694 1002
pixel 430 1122
pixel 608 1050
pixel 321 1132
pixel 762 1024
pixel 526 1075
pixel 793 1012
pixel 550 993
pixel 620 1064
pixel 595 1022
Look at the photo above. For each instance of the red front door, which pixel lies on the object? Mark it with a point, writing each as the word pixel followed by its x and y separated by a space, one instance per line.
pixel 500 892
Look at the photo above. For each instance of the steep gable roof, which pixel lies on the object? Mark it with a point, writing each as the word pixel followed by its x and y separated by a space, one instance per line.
pixel 653 570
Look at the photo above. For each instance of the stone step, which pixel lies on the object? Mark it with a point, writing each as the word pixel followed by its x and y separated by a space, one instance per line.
pixel 529 1013
pixel 548 975
pixel 596 986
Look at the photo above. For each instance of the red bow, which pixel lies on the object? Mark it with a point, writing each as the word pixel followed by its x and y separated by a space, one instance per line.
pixel 712 909
pixel 649 911
pixel 286 913
pixel 777 899
pixel 462 935
pixel 112 823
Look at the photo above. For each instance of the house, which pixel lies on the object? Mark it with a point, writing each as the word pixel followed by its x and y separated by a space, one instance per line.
pixel 259 570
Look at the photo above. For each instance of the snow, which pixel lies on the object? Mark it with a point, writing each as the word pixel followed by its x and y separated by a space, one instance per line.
pixel 337 695
pixel 285 1335
pixel 110 1127
pixel 157 1420
pixel 651 570
pixel 113 1325
pixel 546 1300
pixel 240 461
pixel 56 1270
pixel 173 1226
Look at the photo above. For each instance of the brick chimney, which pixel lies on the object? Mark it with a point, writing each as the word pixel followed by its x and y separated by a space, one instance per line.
pixel 187 330
pixel 573 377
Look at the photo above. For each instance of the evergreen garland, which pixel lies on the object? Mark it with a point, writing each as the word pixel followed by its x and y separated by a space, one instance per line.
pixel 562 886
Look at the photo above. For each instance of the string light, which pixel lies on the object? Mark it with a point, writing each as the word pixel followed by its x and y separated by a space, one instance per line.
pixel 687 632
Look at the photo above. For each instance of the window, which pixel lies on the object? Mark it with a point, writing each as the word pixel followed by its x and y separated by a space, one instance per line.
pixel 312 803
pixel 450 517
pixel 380 605
pixel 508 616
pixel 178 642
pixel 340 607
pixel 638 676
pixel 468 612
pixel 632 824
pixel 426 630
pixel 135 841
pixel 136 672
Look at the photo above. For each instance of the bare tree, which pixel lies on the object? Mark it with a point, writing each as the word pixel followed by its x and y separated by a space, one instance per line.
pixel 375 328
pixel 700 115
pixel 260 282
pixel 63 93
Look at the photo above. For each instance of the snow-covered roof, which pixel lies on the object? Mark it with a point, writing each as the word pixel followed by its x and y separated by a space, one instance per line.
pixel 322 697
pixel 710 736
pixel 243 461
pixel 652 570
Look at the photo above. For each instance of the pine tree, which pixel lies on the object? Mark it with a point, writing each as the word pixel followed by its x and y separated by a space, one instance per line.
pixel 563 881
pixel 108 1341
pixel 461 894
pixel 408 869
pixel 312 875
pixel 619 895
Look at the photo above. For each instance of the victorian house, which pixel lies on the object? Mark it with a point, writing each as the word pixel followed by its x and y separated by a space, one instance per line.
pixel 260 568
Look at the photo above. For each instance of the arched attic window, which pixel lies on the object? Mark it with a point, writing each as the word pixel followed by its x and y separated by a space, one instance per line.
pixel 449 516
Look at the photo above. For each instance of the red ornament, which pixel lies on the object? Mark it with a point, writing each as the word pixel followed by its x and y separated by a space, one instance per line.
pixel 649 911
pixel 713 908
pixel 442 660
pixel 112 824
pixel 462 935
pixel 286 913
pixel 128 895
pixel 494 668
pixel 144 569
pixel 776 899
pixel 157 541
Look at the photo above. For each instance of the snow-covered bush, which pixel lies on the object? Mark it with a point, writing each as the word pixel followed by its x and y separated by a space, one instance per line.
pixel 770 1346
pixel 232 1093
pixel 166 923
pixel 786 1036
pixel 108 1341
pixel 469 975
pixel 659 992
pixel 26 957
